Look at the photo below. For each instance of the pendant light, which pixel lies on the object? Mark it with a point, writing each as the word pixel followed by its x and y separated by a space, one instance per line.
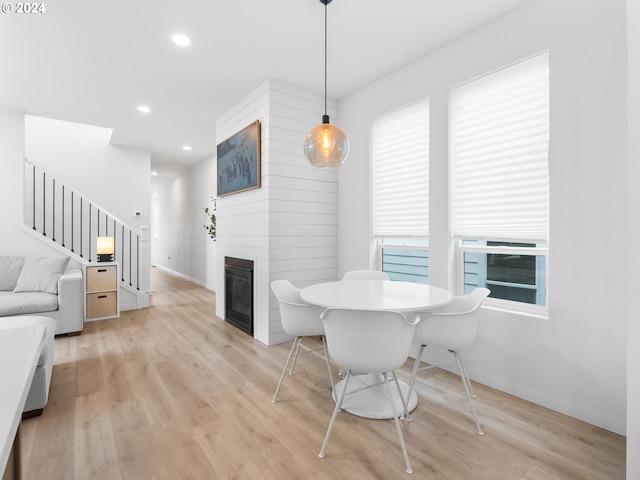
pixel 326 145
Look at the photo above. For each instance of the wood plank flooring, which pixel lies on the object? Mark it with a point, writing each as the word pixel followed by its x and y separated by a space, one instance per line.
pixel 172 392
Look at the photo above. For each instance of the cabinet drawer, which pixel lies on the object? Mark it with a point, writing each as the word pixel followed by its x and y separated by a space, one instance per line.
pixel 104 304
pixel 102 278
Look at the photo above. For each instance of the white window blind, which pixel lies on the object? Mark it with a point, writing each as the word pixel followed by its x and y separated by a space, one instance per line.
pixel 500 153
pixel 400 190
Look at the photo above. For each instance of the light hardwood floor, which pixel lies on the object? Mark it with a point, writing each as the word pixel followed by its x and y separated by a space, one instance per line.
pixel 172 392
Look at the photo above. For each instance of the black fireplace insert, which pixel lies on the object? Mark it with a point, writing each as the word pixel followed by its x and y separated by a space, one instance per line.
pixel 238 288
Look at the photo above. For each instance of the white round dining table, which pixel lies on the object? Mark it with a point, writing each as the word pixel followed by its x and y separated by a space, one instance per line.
pixel 405 297
pixel 376 295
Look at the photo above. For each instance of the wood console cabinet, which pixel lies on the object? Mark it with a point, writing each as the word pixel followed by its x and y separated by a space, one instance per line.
pixel 101 291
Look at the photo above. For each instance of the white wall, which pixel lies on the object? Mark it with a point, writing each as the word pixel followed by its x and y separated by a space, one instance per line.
pixel 243 218
pixel 633 353
pixel 183 244
pixel 204 187
pixel 173 247
pixel 288 227
pixel 78 156
pixel 114 178
pixel 303 200
pixel 14 240
pixel 574 362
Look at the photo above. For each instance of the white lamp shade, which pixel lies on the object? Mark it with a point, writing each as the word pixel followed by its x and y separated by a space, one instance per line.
pixel 326 146
pixel 105 246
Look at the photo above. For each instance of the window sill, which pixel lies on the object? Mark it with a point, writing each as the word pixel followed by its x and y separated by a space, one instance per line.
pixel 530 311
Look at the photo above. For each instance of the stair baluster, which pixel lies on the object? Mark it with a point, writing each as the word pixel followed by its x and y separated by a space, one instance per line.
pixel 73 230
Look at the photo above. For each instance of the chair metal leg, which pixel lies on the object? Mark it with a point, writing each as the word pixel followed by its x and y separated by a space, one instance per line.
pixel 405 401
pixel 335 413
pixel 397 422
pixel 326 356
pixel 468 392
pixel 295 346
pixel 396 416
pixel 295 355
pixel 466 376
pixel 414 372
pixel 416 366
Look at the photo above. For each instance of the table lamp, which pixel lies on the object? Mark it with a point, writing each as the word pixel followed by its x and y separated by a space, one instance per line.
pixel 104 249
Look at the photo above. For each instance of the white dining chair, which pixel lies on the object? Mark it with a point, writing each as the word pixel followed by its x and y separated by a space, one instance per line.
pixel 368 342
pixel 454 328
pixel 365 275
pixel 299 319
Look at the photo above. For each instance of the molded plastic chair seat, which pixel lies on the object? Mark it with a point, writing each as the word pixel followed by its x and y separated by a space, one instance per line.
pixel 365 275
pixel 299 319
pixel 453 327
pixel 368 342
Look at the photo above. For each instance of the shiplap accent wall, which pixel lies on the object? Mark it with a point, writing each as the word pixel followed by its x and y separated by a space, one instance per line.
pixel 289 226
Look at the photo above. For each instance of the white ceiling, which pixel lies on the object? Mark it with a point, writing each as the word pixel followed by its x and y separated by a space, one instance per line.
pixel 95 61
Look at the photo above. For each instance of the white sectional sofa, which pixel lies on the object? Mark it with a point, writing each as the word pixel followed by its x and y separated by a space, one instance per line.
pixel 39 391
pixel 42 286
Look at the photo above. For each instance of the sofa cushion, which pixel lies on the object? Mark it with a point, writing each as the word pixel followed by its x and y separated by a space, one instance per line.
pixel 41 274
pixel 10 268
pixel 27 302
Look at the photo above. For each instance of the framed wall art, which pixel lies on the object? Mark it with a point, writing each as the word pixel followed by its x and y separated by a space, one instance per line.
pixel 239 161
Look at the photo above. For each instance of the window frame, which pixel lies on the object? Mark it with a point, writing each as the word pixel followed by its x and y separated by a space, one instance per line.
pixel 511 306
pixel 388 242
pixel 484 231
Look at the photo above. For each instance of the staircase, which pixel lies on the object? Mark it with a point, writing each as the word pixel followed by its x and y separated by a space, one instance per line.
pixel 68 220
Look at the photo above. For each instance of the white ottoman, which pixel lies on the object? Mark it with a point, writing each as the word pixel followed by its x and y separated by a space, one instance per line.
pixel 39 391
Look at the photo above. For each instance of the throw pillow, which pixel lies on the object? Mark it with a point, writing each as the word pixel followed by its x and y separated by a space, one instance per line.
pixel 41 274
pixel 10 268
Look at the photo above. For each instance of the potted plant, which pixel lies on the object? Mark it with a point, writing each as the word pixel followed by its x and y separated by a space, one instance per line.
pixel 210 227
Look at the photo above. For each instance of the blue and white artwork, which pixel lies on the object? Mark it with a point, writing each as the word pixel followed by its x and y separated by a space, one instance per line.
pixel 239 161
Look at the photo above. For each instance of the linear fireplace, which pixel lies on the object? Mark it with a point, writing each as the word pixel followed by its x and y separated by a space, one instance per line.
pixel 238 291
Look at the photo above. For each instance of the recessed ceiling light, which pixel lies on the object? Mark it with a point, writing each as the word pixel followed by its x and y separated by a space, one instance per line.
pixel 154 173
pixel 187 148
pixel 181 40
pixel 144 109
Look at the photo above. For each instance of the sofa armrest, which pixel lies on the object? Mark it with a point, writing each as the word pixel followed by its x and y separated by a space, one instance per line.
pixel 70 302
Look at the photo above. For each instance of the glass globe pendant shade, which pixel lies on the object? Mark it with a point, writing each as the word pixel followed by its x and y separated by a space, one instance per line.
pixel 326 145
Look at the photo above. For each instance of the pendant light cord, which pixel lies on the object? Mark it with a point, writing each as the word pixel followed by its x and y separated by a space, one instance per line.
pixel 325 58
